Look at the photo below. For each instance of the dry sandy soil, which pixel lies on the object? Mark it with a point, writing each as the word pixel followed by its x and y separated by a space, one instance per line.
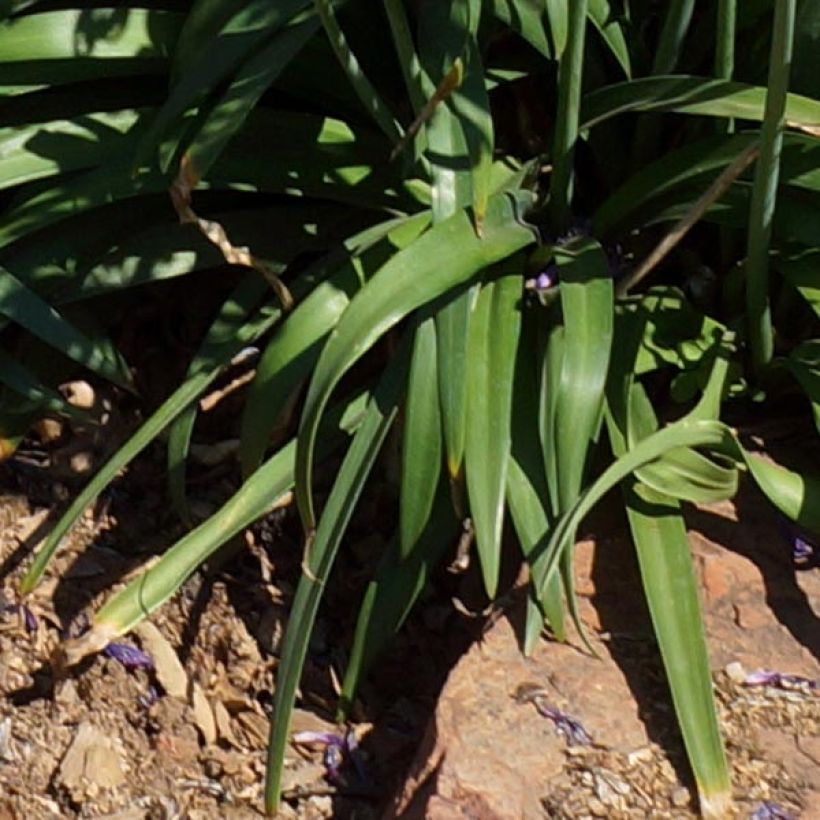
pixel 187 739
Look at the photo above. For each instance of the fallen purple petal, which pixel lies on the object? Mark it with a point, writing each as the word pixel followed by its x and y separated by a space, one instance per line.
pixel 356 756
pixel 333 760
pixel 149 698
pixel 129 656
pixel 29 618
pixel 778 680
pixel 323 738
pixel 771 811
pixel 571 729
pixel 803 552
pixel 337 751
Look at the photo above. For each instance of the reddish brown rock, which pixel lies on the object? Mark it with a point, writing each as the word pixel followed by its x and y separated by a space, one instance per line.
pixel 486 755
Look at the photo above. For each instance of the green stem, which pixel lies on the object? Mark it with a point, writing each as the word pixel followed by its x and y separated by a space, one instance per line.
pixel 725 49
pixel 566 129
pixel 764 191
pixel 675 28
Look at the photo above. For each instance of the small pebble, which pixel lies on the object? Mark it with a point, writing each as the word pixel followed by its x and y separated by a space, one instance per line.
pixel 597 808
pixel 735 672
pixel 641 755
pixel 680 797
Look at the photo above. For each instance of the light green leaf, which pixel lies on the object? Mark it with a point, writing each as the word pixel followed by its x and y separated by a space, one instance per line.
pixel 421 442
pixel 494 333
pixel 445 257
pixel 28 310
pixel 692 95
pixel 320 555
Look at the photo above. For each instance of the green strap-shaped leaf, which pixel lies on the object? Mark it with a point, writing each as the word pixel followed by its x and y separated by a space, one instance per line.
pixel 692 95
pixel 30 152
pixel 444 30
pixel 759 330
pixel 528 497
pixel 38 396
pixel 527 18
pixel 671 588
pixel 225 346
pixel 28 310
pixel 421 440
pixel 318 561
pixel 587 304
pixel 684 433
pixel 606 21
pixel 494 333
pixel 70 45
pixel 216 59
pixel 558 16
pixel 445 257
pixel 292 352
pixel 147 592
pixel 254 77
pixel 669 582
pixel 529 517
pixel 370 98
pixel 570 74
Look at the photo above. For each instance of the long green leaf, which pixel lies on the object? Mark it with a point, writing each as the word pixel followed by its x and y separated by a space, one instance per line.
pixel 364 89
pixel 764 189
pixel 58 47
pixel 671 589
pixel 292 352
pixel 28 310
pixel 494 334
pixel 216 59
pixel 587 303
pixel 254 77
pixel 527 18
pixel 692 95
pixel 30 152
pixel 321 553
pixel 603 16
pixel 146 593
pixel 446 256
pixel 570 73
pixel 421 440
pixel 226 345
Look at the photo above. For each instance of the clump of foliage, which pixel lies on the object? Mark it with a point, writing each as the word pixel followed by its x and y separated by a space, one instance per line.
pixel 550 206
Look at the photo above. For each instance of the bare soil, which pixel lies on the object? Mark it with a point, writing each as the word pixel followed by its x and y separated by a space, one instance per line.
pixel 188 739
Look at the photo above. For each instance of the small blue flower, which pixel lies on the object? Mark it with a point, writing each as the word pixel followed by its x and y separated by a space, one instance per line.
pixel 771 811
pixel 779 680
pixel 129 656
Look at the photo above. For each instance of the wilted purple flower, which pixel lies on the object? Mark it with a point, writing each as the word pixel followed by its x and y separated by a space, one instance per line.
pixel 338 749
pixel 803 552
pixel 335 750
pixel 547 279
pixel 765 677
pixel 150 697
pixel 771 811
pixel 129 656
pixel 29 618
pixel 569 727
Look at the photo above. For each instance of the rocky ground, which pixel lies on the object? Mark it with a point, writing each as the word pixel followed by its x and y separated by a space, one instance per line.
pixel 187 738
